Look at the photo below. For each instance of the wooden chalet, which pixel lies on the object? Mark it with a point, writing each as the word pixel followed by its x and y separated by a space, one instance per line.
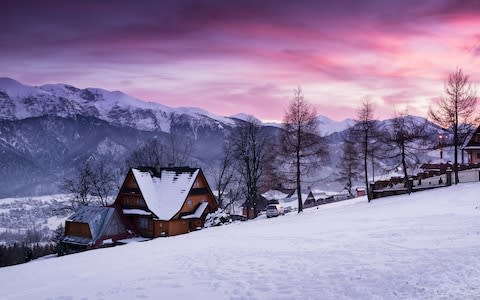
pixel 90 227
pixel 165 201
pixel 472 146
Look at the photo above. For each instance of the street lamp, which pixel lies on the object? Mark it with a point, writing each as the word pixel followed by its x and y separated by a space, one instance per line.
pixel 441 142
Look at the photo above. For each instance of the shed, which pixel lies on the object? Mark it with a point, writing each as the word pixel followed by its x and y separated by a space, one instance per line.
pixel 90 226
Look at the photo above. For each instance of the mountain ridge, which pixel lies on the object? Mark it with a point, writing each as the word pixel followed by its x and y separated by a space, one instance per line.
pixel 20 101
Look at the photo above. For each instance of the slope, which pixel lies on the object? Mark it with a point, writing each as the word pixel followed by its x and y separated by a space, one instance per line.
pixel 425 245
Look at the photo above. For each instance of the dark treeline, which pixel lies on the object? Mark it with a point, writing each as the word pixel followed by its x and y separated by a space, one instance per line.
pixel 22 252
pixel 33 244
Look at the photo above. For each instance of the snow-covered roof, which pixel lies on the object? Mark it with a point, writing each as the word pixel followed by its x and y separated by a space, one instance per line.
pixel 136 211
pixel 274 195
pixel 165 192
pixel 96 218
pixel 198 212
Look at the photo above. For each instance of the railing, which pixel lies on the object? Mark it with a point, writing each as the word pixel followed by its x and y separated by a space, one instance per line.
pixel 421 183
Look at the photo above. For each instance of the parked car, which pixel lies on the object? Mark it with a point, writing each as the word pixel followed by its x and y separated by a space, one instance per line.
pixel 274 210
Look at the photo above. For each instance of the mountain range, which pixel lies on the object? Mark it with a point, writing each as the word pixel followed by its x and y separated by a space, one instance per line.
pixel 47 131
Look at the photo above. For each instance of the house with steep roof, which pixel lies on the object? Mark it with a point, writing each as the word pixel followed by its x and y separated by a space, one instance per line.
pixel 472 146
pixel 165 201
pixel 90 227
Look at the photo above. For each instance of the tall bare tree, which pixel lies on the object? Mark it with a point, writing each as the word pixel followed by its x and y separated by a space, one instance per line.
pixel 456 109
pixel 249 147
pixel 365 129
pixel 406 140
pixel 349 167
pixel 300 140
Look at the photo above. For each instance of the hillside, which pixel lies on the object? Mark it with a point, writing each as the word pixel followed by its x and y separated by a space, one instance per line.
pixel 422 246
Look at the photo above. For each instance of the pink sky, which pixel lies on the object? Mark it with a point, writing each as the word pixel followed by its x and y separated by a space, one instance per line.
pixel 243 56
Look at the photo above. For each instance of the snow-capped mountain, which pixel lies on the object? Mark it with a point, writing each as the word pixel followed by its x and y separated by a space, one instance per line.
pixel 19 101
pixel 328 126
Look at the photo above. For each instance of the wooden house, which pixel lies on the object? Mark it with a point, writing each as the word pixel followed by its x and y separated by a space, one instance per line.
pixel 472 146
pixel 90 227
pixel 165 201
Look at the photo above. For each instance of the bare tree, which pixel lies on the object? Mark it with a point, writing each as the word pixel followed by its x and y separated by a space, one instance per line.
pixel 103 181
pixel 249 147
pixel 92 182
pixel 149 154
pixel 180 149
pixel 456 109
pixel 407 137
pixel 79 187
pixel 349 166
pixel 224 173
pixel 300 140
pixel 180 144
pixel 365 128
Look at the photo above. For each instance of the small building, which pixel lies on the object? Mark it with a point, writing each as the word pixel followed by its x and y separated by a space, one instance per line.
pixel 260 204
pixel 165 201
pixel 360 192
pixel 89 227
pixel 472 147
pixel 310 201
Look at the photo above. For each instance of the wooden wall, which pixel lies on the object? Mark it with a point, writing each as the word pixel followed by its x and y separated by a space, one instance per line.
pixel 178 227
pixel 77 229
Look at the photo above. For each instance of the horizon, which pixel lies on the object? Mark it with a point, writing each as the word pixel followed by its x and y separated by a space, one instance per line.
pixel 234 115
pixel 223 56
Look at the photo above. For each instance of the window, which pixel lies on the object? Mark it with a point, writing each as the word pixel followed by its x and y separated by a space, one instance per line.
pixel 143 223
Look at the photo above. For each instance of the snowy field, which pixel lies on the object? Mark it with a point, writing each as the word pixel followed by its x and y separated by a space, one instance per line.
pixel 422 246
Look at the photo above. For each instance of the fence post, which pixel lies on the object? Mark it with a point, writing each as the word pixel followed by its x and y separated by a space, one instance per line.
pixel 372 194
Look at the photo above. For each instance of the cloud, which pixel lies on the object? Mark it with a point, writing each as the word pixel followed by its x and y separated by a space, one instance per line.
pixel 227 55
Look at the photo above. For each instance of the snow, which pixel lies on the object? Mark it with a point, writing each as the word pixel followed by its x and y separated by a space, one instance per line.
pixel 135 211
pixel 166 194
pixel 328 126
pixel 133 240
pixel 274 195
pixel 245 117
pixel 420 246
pixel 198 212
pixel 15 88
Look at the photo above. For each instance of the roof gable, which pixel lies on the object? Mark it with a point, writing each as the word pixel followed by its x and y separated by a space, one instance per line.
pixel 470 141
pixel 165 192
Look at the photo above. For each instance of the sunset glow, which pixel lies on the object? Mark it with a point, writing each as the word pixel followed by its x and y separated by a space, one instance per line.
pixel 247 56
